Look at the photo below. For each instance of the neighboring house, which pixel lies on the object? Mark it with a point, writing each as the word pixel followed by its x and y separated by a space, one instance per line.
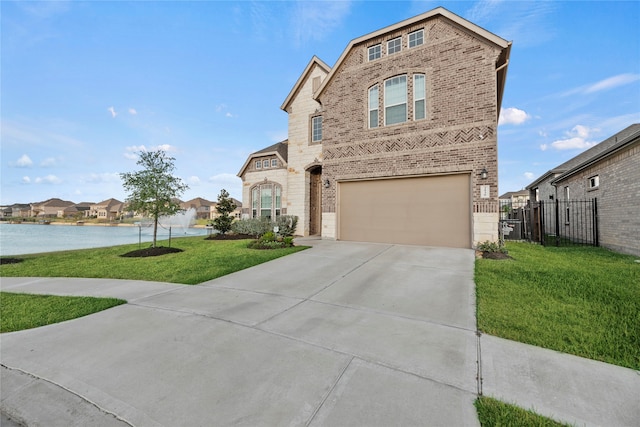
pixel 516 199
pixel 50 208
pixel 17 210
pixel 610 173
pixel 203 207
pixel 396 143
pixel 109 209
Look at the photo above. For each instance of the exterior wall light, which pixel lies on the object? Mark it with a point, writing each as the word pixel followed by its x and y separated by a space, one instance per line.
pixel 327 183
pixel 484 174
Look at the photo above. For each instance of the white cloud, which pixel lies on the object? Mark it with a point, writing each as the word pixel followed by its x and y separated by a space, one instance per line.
pixel 24 162
pixel 315 19
pixel 132 111
pixel 229 182
pixel 49 162
pixel 612 82
pixel 529 175
pixel 544 147
pixel 513 116
pixel 112 111
pixel 194 180
pixel 49 179
pixel 132 151
pixel 576 139
pixel 26 180
pixel 102 178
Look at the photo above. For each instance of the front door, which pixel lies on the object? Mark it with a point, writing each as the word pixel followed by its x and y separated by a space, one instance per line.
pixel 315 202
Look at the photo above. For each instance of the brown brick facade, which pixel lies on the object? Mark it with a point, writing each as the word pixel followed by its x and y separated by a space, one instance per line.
pixel 459 133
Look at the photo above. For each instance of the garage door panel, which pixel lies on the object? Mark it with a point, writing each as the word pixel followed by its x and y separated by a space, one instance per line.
pixel 432 211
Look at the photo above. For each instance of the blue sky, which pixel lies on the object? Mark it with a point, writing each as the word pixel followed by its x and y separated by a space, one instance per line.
pixel 85 85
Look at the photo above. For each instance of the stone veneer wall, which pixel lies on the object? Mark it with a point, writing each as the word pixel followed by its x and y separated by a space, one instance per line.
pixel 252 178
pixel 459 133
pixel 302 153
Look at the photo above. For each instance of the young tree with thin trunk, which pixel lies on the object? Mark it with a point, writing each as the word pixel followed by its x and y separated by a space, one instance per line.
pixel 153 190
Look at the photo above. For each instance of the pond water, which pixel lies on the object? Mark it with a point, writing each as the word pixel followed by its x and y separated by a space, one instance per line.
pixel 17 239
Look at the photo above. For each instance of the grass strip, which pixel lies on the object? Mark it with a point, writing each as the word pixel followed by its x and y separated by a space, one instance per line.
pixel 493 413
pixel 201 260
pixel 579 300
pixel 25 311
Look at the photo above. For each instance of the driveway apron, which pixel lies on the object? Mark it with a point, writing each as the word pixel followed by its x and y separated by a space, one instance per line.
pixel 343 333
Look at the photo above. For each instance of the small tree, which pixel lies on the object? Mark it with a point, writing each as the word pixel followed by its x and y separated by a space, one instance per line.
pixel 224 207
pixel 152 191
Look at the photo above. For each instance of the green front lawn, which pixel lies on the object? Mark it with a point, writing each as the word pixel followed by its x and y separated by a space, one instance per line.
pixel 22 311
pixel 201 260
pixel 493 413
pixel 579 300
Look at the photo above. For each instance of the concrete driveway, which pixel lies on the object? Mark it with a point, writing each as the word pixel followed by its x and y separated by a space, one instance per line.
pixel 341 334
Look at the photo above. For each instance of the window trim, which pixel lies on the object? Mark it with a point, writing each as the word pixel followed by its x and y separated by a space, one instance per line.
pixel 265 164
pixel 416 39
pixel 314 120
pixel 391 50
pixel 387 106
pixel 373 53
pixel 423 98
pixel 274 163
pixel 258 164
pixel 256 199
pixel 593 182
pixel 377 104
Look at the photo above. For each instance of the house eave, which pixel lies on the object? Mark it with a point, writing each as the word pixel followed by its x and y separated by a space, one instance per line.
pixel 296 87
pixel 632 139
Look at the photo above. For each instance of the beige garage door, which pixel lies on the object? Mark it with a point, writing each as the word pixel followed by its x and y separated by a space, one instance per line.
pixel 431 211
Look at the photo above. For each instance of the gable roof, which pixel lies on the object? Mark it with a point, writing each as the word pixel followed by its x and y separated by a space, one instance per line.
pixel 595 153
pixel 501 65
pixel 315 61
pixel 280 149
pixel 199 201
pixel 610 146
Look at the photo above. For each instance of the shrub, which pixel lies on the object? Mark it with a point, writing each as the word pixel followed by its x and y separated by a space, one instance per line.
pixel 253 227
pixel 259 226
pixel 488 246
pixel 286 225
pixel 270 240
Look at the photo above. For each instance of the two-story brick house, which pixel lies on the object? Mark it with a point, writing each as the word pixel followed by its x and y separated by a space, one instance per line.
pixel 398 141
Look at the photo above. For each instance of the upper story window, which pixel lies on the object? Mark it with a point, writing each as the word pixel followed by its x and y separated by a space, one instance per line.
pixel 416 38
pixel 373 107
pixel 258 164
pixel 419 97
pixel 316 129
pixel 265 164
pixel 395 100
pixel 274 163
pixel 594 182
pixel 375 52
pixel 394 45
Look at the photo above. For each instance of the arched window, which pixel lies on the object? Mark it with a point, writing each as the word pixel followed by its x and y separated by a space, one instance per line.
pixel 266 200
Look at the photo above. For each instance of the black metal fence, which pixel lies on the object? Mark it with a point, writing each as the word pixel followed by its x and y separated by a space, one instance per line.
pixel 553 222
